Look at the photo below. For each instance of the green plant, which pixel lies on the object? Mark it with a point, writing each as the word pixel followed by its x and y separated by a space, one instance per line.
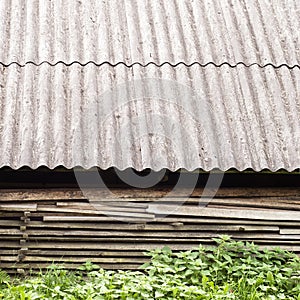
pixel 4 277
pixel 231 270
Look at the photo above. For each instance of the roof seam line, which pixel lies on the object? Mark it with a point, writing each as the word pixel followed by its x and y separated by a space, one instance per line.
pixel 150 63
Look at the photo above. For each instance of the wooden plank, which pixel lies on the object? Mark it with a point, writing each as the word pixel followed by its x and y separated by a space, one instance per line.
pixel 101 207
pixel 71 266
pixel 75 193
pixel 9 244
pixel 88 253
pixel 9 252
pixel 288 248
pixel 205 237
pixel 105 203
pixel 257 203
pixel 72 246
pixel 254 201
pixel 19 207
pixel 11 231
pixel 40 194
pixel 246 192
pixel 168 219
pixel 151 227
pixel 108 246
pixel 96 212
pixel 223 213
pixel 290 231
pixel 78 259
pixel 266 236
pixel 100 240
pixel 218 220
pixel 274 242
pixel 98 218
pixel 240 207
pixel 10 223
pixel 130 233
pixel 34 202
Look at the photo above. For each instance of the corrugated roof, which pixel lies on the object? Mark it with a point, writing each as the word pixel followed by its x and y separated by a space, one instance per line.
pixel 186 117
pixel 132 31
pixel 150 84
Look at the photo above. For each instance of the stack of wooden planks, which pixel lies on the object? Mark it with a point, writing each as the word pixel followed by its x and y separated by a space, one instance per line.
pixel 41 226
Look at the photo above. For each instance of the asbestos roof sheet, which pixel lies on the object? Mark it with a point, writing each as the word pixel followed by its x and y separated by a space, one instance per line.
pixel 133 31
pixel 153 117
pixel 150 84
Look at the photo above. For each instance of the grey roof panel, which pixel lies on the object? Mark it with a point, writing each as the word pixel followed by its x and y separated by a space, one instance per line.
pixel 202 116
pixel 156 117
pixel 132 31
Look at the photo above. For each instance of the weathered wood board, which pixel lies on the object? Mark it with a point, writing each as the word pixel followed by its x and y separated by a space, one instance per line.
pixel 41 226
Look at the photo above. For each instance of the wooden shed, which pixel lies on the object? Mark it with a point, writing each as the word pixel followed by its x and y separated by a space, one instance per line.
pixel 126 126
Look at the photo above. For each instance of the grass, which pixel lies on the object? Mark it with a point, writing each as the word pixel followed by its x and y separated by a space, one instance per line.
pixel 232 270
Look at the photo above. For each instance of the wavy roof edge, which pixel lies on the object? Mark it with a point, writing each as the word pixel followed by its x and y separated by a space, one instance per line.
pixel 233 169
pixel 99 64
